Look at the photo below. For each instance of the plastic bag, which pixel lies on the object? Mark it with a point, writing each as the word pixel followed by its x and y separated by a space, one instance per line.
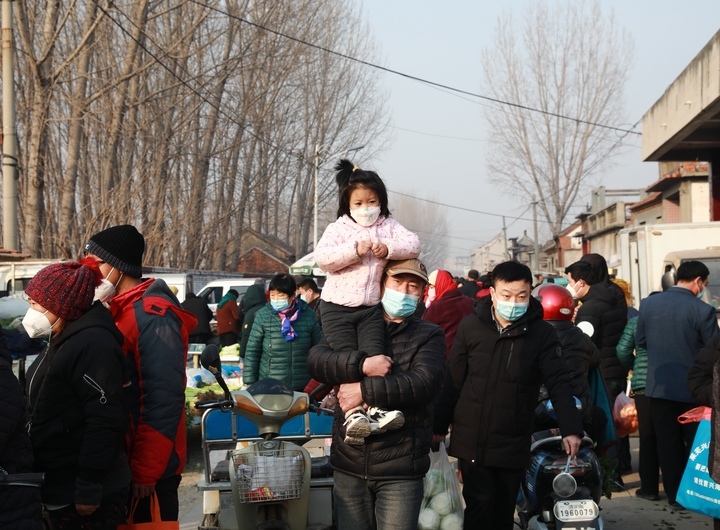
pixel 624 415
pixel 698 492
pixel 442 505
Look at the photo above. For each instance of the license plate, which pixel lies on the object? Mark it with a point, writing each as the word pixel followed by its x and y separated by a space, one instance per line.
pixel 576 510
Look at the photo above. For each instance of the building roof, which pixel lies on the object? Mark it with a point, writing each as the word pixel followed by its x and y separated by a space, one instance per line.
pixel 651 200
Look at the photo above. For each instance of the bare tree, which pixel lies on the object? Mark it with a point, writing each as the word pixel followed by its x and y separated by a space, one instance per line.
pixel 565 59
pixel 429 222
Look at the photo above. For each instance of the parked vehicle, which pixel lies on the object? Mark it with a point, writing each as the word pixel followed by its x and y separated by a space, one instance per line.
pixel 651 254
pixel 15 275
pixel 213 292
pixel 255 475
pixel 558 491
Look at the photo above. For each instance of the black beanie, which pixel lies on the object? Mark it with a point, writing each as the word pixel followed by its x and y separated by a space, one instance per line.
pixel 120 246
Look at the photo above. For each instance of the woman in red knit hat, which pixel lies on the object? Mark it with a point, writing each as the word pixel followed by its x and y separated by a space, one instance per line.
pixel 78 417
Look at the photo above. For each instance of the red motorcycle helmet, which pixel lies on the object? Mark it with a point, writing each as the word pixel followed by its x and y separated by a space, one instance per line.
pixel 557 302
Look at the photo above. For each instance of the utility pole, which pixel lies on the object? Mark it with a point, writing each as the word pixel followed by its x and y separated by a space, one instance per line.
pixel 9 134
pixel 535 237
pixel 507 255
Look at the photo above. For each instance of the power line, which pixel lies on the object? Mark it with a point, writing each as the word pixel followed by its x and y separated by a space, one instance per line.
pixel 415 78
pixel 459 207
pixel 438 135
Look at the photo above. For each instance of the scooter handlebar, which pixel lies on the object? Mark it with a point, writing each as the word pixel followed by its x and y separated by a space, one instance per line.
pixel 222 404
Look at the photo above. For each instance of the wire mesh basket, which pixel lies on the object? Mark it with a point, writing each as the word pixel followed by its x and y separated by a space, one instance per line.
pixel 274 475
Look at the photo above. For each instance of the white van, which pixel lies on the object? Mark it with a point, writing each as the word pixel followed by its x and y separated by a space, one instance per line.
pixel 213 292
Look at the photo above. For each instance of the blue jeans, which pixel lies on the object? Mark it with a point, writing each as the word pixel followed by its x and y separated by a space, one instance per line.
pixel 376 504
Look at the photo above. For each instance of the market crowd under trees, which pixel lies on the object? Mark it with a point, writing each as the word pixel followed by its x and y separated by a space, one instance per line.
pixel 186 119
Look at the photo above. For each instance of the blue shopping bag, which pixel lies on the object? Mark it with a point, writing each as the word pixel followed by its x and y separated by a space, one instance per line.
pixel 698 492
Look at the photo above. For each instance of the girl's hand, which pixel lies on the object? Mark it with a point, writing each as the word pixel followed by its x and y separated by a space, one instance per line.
pixel 380 250
pixel 363 247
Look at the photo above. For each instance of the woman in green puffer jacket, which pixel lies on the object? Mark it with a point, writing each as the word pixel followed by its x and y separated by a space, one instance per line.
pixel 283 332
pixel 635 358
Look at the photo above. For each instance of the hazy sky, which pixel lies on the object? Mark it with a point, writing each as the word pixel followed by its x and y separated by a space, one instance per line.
pixel 439 139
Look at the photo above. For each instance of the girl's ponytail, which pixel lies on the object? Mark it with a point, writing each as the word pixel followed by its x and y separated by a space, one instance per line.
pixel 344 170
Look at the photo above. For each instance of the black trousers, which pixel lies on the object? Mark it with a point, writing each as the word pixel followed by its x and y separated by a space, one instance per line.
pixel 649 466
pixel 228 339
pixel 674 441
pixel 354 328
pixel 619 453
pixel 166 490
pixel 490 494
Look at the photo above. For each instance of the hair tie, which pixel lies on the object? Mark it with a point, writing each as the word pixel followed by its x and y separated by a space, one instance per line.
pixel 355 168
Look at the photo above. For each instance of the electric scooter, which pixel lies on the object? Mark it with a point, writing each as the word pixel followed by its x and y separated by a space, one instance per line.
pixel 559 492
pixel 270 478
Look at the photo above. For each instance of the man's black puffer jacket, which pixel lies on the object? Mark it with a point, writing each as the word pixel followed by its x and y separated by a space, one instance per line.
pixel 493 385
pixel 608 315
pixel 417 349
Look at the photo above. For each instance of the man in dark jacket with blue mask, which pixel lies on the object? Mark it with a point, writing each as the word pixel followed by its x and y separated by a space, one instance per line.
pixel 502 353
pixel 674 326
pixel 380 484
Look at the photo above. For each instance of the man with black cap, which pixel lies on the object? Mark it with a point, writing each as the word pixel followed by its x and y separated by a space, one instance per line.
pixel 156 332
pixel 380 484
pixel 470 288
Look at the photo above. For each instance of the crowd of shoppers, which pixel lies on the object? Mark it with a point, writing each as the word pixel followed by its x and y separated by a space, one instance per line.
pixel 104 416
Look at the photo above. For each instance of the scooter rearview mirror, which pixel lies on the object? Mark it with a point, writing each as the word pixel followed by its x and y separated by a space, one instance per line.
pixel 210 360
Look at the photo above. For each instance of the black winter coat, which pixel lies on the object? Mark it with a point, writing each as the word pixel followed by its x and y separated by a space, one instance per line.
pixel 602 308
pixel 253 301
pixel 580 355
pixel 202 312
pixel 19 507
pixel 704 384
pixel 78 411
pixel 417 349
pixel 493 385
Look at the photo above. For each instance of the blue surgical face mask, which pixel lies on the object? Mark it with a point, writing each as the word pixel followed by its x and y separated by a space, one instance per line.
pixel 280 305
pixel 700 294
pixel 511 311
pixel 397 304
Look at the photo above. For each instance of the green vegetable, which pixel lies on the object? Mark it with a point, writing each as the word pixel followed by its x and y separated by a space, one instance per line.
pixel 428 520
pixel 452 521
pixel 442 503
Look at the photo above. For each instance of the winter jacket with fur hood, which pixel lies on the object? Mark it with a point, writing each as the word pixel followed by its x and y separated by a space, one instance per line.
pixel 417 349
pixel 493 383
pixel 354 280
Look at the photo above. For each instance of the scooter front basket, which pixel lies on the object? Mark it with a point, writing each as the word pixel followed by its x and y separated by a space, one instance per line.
pixel 268 476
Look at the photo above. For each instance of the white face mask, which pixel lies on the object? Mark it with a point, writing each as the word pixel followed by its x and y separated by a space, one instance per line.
pixel 37 324
pixel 106 290
pixel 365 216
pixel 572 290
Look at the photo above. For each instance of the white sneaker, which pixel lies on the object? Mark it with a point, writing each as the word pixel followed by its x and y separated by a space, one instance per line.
pixel 384 420
pixel 357 425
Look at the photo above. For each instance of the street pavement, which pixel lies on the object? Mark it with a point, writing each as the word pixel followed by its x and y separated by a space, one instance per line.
pixel 624 511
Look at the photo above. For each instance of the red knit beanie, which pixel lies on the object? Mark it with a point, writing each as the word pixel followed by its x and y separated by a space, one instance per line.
pixel 66 289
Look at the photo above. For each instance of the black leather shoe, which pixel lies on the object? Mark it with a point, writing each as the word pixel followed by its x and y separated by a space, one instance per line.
pixel 676 506
pixel 647 496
